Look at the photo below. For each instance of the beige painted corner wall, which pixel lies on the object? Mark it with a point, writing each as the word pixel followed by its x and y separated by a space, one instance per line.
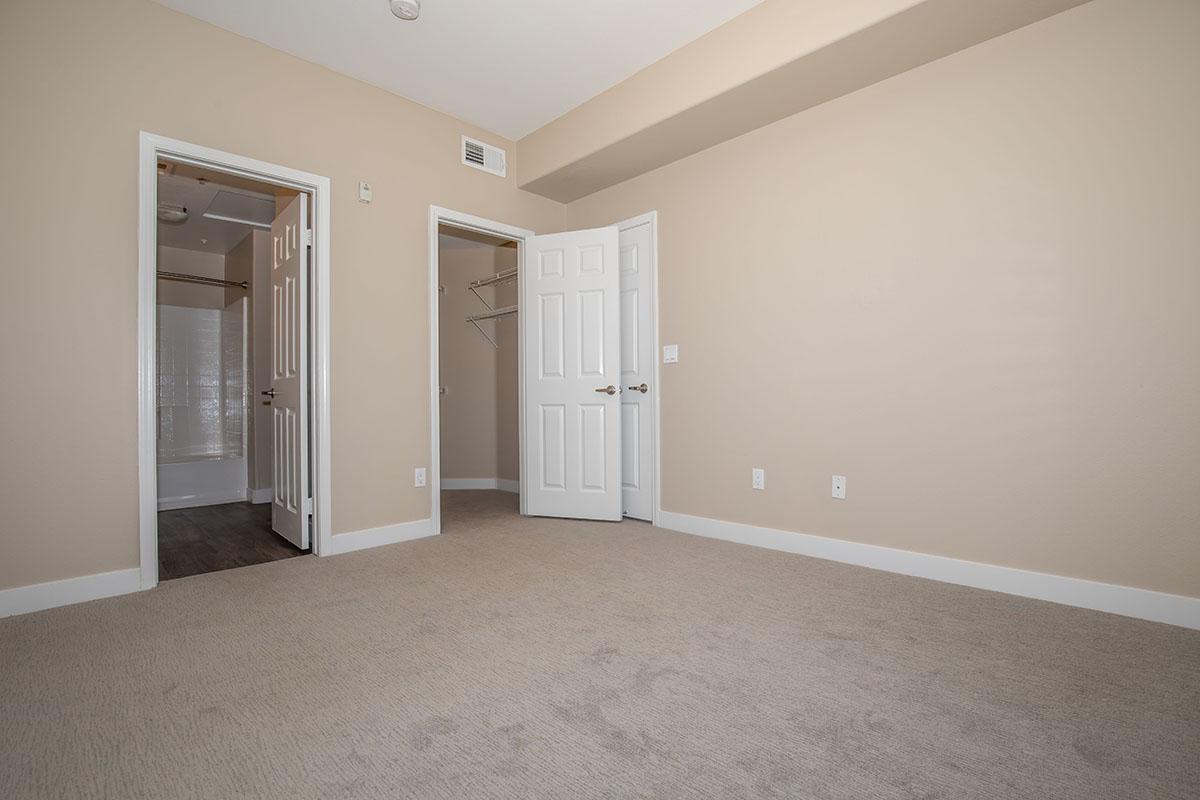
pixel 77 83
pixel 971 289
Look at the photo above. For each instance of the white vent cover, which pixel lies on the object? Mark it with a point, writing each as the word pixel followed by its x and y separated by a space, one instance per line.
pixel 483 156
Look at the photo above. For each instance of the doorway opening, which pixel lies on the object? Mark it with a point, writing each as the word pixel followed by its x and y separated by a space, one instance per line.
pixel 543 365
pixel 233 361
pixel 214 351
pixel 478 372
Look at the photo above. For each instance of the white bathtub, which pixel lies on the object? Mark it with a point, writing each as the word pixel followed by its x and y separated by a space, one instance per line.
pixel 201 482
pixel 202 405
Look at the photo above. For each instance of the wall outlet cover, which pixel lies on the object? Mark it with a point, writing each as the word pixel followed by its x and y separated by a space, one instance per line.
pixel 364 192
pixel 419 477
pixel 839 487
pixel 758 478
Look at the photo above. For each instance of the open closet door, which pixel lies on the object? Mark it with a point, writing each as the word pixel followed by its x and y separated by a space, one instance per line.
pixel 572 339
pixel 289 365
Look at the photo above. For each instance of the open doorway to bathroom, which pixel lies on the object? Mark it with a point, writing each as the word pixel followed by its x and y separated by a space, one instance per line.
pixel 218 440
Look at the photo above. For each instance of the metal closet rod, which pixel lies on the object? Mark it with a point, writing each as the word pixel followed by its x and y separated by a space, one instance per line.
pixel 179 276
pixel 499 277
pixel 499 312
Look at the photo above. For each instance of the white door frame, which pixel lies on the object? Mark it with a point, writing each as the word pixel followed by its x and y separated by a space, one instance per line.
pixel 651 217
pixel 150 148
pixel 457 219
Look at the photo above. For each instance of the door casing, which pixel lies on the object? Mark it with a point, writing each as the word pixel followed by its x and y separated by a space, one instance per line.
pixel 457 219
pixel 150 148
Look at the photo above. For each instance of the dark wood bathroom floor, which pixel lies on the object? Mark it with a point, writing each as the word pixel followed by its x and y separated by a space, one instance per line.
pixel 192 541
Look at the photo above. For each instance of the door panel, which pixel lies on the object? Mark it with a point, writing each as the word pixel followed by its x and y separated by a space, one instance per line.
pixel 637 369
pixel 289 359
pixel 572 433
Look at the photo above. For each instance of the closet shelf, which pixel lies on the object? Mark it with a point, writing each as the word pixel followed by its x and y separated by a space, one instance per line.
pixel 495 313
pixel 500 277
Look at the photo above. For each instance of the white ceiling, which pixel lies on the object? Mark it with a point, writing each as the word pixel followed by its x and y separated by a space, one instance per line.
pixel 198 232
pixel 508 67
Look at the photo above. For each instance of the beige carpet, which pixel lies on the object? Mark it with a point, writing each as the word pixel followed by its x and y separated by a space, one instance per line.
pixel 517 658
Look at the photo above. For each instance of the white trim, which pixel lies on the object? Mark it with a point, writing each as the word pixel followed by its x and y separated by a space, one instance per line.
pixel 376 537
pixel 197 500
pixel 499 484
pixel 1124 600
pixel 150 147
pixel 457 219
pixel 651 217
pixel 39 596
pixel 258 496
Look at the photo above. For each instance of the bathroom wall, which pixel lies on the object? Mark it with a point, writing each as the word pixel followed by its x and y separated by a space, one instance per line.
pixel 191 262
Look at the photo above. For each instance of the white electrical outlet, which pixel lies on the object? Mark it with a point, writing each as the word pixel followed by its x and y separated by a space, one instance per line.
pixel 758 478
pixel 364 192
pixel 419 477
pixel 839 487
pixel 670 354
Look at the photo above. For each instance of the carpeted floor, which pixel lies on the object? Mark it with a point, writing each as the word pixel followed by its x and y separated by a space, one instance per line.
pixel 528 658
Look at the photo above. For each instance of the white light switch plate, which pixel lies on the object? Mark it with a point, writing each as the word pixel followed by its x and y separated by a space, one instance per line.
pixel 670 354
pixel 839 487
pixel 419 476
pixel 364 192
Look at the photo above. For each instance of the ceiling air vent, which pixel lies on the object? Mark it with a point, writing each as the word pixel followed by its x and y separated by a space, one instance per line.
pixel 483 156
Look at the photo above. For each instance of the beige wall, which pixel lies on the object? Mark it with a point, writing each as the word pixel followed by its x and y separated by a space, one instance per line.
pixel 190 262
pixel 479 409
pixel 77 83
pixel 971 289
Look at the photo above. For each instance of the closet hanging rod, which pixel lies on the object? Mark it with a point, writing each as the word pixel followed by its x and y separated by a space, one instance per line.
pixel 499 312
pixel 499 277
pixel 179 276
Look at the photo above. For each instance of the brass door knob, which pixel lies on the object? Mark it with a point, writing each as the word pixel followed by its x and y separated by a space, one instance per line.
pixel 610 389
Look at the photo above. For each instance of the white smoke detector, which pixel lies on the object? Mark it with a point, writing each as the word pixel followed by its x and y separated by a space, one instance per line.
pixel 405 9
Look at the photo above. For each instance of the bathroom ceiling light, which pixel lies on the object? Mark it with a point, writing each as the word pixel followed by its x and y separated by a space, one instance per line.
pixel 169 212
pixel 405 9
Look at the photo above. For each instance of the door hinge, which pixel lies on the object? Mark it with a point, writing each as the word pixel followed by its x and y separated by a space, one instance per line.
pixel 308 505
pixel 308 237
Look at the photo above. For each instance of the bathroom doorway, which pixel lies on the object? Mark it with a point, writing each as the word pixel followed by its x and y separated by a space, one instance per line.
pixel 294 400
pixel 219 317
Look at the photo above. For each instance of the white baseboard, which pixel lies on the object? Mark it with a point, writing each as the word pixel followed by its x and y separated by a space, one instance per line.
pixel 40 596
pixel 375 537
pixel 502 484
pixel 258 496
pixel 1124 600
pixel 198 500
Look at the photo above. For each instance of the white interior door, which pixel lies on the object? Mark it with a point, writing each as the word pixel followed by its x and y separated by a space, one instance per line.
pixel 289 360
pixel 637 373
pixel 571 322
